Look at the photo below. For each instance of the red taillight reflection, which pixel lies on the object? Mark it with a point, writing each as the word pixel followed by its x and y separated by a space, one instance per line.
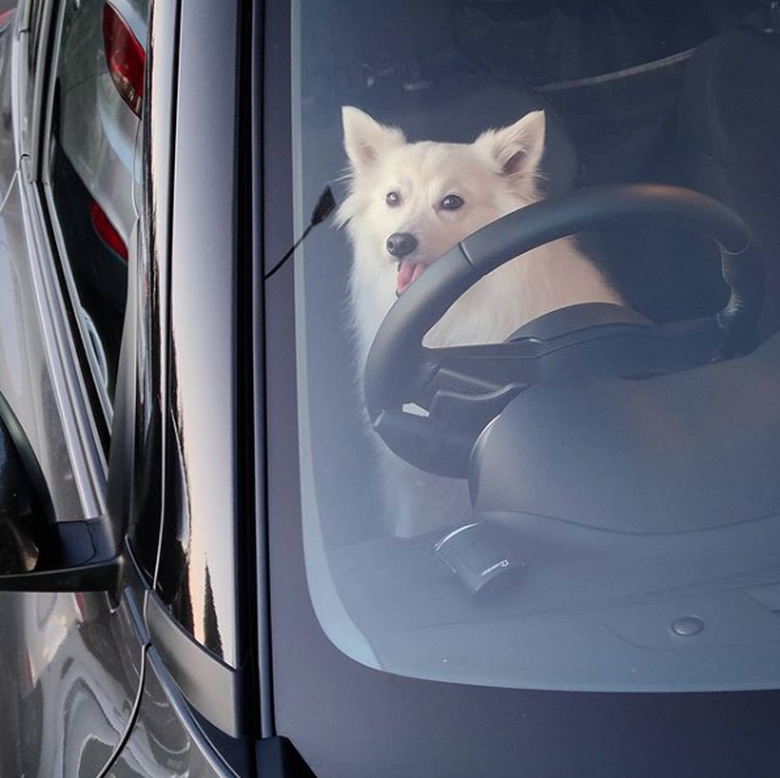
pixel 6 16
pixel 106 230
pixel 126 58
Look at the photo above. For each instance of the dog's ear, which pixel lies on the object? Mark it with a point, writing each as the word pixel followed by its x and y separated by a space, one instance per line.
pixel 518 148
pixel 365 138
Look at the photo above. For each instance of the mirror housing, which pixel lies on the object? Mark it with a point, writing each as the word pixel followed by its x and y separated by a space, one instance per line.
pixel 38 553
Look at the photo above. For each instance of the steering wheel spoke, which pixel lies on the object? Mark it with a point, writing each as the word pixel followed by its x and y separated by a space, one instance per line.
pixel 477 370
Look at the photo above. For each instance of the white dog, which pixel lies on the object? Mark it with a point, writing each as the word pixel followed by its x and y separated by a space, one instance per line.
pixel 408 204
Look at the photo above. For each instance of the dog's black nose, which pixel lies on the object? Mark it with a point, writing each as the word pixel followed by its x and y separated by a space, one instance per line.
pixel 399 244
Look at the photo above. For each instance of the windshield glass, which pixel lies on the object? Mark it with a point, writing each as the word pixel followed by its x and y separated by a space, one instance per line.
pixel 539 390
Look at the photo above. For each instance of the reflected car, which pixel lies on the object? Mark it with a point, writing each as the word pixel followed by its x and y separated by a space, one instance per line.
pixel 96 133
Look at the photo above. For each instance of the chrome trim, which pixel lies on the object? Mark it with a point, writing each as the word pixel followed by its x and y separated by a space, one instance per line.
pixel 454 533
pixel 41 78
pixel 212 687
pixel 24 23
pixel 19 57
pixel 87 457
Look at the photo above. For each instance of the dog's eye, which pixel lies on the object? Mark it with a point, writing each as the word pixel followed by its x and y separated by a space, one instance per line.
pixel 451 202
pixel 393 199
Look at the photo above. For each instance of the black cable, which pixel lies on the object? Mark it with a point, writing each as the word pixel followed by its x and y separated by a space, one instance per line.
pixel 325 206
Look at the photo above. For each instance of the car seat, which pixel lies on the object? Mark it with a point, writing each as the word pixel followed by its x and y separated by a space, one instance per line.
pixel 729 131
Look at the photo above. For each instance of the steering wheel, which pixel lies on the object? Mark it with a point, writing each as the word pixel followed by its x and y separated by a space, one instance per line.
pixel 463 388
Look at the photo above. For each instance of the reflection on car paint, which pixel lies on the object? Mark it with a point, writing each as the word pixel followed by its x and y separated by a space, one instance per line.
pixel 161 745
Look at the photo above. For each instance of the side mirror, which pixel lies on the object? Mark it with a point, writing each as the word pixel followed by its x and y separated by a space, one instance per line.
pixel 36 552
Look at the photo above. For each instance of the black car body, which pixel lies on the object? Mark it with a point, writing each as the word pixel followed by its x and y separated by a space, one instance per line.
pixel 195 580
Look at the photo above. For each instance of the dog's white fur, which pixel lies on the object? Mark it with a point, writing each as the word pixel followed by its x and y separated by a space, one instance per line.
pixel 496 174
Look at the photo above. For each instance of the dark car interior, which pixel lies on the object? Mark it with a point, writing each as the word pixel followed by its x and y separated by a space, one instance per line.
pixel 653 92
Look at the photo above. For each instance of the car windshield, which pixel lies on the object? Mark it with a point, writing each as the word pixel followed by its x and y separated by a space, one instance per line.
pixel 538 381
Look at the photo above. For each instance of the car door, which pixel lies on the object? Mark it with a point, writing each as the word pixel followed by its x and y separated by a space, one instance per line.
pixel 72 661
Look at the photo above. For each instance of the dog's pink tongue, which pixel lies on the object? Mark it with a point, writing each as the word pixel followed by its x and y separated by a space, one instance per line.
pixel 408 272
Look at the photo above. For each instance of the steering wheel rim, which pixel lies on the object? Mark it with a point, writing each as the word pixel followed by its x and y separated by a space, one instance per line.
pixel 398 364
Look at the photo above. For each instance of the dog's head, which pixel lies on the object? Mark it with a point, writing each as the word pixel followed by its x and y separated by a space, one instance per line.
pixel 411 202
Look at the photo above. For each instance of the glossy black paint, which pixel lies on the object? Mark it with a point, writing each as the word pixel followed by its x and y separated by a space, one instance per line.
pixel 197 573
pixel 75 661
pixel 185 627
pixel 167 739
pixel 148 305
